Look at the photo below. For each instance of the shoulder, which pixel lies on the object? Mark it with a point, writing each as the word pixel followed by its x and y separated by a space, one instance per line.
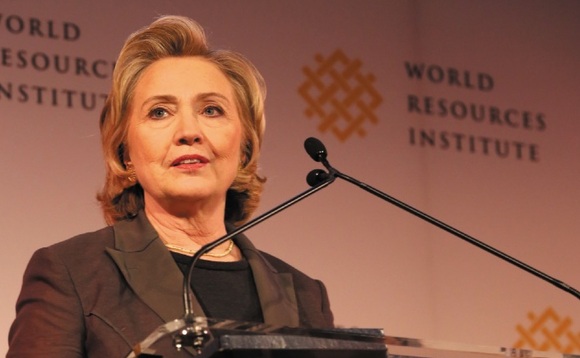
pixel 311 294
pixel 79 266
pixel 302 281
pixel 274 263
pixel 282 266
pixel 74 252
pixel 86 242
pixel 61 264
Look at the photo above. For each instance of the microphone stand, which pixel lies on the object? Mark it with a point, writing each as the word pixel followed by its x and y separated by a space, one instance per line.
pixel 193 331
pixel 318 152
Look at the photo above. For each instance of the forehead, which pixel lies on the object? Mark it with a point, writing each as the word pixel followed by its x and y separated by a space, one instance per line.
pixel 183 76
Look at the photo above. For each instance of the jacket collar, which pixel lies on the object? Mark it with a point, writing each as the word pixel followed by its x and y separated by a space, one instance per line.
pixel 275 290
pixel 151 272
pixel 149 268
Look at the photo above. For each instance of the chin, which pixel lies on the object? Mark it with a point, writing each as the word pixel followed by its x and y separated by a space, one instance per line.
pixel 192 195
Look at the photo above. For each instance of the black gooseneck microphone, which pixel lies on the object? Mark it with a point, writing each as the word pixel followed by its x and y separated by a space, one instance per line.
pixel 196 332
pixel 317 151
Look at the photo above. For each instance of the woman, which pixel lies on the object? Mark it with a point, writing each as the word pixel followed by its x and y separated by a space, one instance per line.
pixel 181 133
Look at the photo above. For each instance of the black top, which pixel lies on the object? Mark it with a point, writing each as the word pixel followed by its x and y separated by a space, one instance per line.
pixel 224 289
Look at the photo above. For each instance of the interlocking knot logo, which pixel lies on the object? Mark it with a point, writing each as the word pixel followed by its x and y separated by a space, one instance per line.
pixel 340 95
pixel 549 331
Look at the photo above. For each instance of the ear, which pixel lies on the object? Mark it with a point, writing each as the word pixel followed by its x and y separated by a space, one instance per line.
pixel 123 154
pixel 132 175
pixel 246 154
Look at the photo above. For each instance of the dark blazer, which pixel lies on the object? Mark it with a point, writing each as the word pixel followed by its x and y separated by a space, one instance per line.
pixel 100 293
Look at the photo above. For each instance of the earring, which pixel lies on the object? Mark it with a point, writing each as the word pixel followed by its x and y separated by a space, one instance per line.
pixel 132 177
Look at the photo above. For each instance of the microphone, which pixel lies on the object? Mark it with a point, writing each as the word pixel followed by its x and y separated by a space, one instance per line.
pixel 316 177
pixel 315 149
pixel 196 333
pixel 318 153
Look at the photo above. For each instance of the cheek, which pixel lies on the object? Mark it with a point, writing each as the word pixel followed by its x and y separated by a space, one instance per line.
pixel 237 148
pixel 142 148
pixel 231 144
pixel 233 155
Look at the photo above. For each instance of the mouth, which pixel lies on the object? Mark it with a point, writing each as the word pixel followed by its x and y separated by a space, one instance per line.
pixel 189 160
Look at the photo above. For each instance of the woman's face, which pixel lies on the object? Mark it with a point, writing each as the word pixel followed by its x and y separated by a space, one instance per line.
pixel 185 134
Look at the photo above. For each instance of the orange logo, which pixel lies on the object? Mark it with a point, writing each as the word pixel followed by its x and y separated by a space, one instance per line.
pixel 340 95
pixel 548 331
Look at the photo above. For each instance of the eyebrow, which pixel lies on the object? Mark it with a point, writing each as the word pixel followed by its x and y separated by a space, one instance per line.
pixel 212 94
pixel 159 98
pixel 173 99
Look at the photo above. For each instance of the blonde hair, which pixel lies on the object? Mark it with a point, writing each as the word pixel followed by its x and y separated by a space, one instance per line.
pixel 175 36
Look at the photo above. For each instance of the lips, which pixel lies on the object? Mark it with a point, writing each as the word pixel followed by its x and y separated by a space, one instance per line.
pixel 189 160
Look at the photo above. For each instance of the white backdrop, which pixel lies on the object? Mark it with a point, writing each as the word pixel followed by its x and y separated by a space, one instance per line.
pixel 383 267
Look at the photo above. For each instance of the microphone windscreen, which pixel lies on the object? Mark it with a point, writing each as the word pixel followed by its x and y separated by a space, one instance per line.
pixel 316 177
pixel 315 149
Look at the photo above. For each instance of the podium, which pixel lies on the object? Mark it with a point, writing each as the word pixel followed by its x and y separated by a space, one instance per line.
pixel 231 339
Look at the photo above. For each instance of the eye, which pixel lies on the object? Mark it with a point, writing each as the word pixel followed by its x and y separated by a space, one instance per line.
pixel 213 111
pixel 158 113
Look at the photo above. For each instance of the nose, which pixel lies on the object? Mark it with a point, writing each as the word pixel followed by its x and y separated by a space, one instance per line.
pixel 188 131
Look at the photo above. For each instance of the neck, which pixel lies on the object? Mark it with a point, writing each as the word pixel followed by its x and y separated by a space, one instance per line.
pixel 200 229
pixel 189 227
pixel 186 235
pixel 184 222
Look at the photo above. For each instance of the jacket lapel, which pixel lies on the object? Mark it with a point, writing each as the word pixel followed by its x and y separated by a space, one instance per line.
pixel 153 275
pixel 149 268
pixel 275 290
